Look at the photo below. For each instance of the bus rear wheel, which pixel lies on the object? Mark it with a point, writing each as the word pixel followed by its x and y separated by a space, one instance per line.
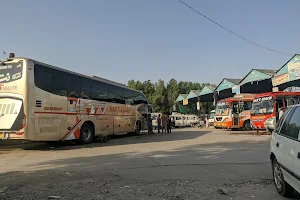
pixel 87 133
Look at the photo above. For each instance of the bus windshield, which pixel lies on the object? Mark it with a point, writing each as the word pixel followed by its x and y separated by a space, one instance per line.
pixel 263 105
pixel 222 108
pixel 10 72
pixel 211 115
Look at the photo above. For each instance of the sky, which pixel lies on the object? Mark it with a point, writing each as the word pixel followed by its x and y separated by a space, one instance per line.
pixel 152 39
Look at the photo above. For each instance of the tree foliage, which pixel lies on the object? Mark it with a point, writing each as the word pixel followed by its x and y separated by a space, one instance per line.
pixel 162 96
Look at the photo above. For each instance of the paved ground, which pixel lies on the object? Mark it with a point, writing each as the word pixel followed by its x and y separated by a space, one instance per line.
pixel 190 163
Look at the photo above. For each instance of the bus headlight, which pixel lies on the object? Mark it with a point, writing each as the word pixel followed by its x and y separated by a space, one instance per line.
pixel 271 119
pixel 270 122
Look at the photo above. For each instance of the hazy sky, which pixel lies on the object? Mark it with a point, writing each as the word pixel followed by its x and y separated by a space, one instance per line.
pixel 151 39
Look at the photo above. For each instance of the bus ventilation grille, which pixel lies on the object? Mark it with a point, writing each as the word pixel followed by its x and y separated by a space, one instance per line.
pixel 38 103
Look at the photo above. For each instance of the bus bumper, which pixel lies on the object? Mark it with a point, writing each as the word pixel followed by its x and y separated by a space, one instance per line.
pixel 12 135
pixel 224 125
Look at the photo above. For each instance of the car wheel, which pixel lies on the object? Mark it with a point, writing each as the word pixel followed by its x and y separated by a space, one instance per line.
pixel 281 185
pixel 86 133
pixel 247 126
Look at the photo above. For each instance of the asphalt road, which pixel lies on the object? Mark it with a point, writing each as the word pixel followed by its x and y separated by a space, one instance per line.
pixel 190 163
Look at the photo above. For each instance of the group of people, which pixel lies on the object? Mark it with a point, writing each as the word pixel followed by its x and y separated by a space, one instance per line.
pixel 163 124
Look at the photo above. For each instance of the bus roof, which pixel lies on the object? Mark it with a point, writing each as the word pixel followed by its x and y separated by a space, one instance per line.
pixel 78 74
pixel 239 97
pixel 279 93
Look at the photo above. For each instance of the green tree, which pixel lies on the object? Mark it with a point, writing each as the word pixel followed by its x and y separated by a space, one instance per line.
pixel 171 94
pixel 162 96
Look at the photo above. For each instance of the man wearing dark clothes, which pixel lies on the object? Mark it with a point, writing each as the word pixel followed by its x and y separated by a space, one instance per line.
pixel 158 123
pixel 169 125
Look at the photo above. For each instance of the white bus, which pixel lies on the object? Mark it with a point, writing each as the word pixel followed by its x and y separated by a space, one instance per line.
pixel 40 102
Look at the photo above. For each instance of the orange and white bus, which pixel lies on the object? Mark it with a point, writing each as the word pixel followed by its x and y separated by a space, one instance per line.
pixel 40 102
pixel 234 112
pixel 266 107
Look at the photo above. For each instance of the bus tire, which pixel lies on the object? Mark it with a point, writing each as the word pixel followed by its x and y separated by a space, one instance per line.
pixel 137 129
pixel 87 133
pixel 247 126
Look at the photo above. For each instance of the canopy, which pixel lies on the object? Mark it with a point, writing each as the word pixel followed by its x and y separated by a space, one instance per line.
pixel 289 74
pixel 207 94
pixel 193 94
pixel 257 81
pixel 227 83
pixel 181 97
pixel 224 89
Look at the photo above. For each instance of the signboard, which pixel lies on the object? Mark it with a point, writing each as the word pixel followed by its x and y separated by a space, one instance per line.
pixel 236 89
pixel 185 102
pixel 290 72
pixel 262 99
pixel 275 89
pixel 198 105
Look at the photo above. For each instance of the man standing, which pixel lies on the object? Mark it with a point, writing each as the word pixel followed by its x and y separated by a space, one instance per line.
pixel 169 126
pixel 164 119
pixel 158 123
pixel 149 122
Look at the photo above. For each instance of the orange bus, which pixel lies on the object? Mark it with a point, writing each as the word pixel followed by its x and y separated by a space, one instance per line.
pixel 266 107
pixel 234 112
pixel 40 102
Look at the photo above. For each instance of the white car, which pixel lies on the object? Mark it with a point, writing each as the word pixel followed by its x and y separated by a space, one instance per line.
pixel 285 152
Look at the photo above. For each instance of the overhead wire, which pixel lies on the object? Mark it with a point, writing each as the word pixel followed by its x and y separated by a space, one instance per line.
pixel 238 35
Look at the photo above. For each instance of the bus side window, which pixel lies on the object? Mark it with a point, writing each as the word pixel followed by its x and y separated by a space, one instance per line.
pixel 59 85
pixel 292 100
pixel 42 78
pixel 128 96
pixel 116 94
pixel 74 86
pixel 85 89
pixel 247 105
pixel 99 91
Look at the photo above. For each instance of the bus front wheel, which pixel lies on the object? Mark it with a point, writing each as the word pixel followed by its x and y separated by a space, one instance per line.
pixel 247 126
pixel 86 133
pixel 138 127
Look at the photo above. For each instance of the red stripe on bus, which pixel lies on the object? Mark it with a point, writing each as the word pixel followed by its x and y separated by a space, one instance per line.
pixel 63 113
pixel 71 130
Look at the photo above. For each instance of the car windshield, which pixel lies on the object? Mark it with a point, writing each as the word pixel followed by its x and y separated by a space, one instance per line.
pixel 263 105
pixel 222 108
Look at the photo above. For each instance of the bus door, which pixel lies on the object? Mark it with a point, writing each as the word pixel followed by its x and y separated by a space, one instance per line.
pixel 144 110
pixel 280 105
pixel 235 114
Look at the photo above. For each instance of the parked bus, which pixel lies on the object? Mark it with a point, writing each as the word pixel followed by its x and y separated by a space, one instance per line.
pixel 40 102
pixel 234 112
pixel 266 107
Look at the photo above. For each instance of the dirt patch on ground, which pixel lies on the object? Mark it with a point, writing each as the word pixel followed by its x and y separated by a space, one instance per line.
pixel 69 186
